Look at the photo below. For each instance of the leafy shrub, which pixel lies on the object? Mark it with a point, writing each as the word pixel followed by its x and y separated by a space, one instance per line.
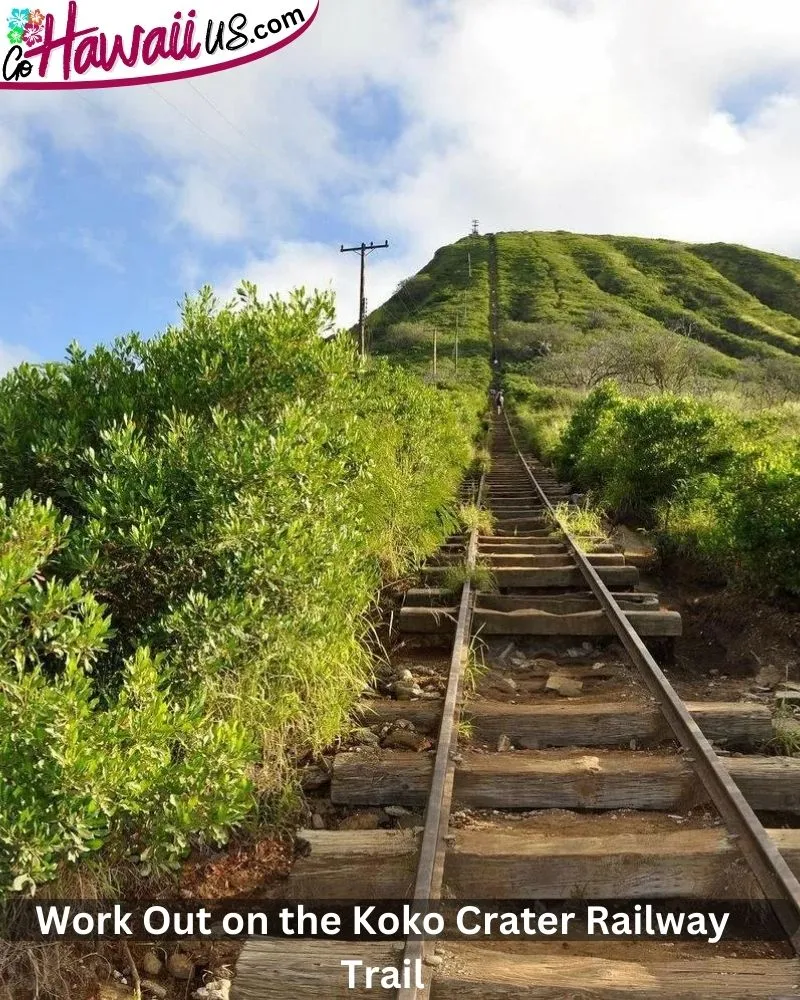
pixel 145 768
pixel 764 517
pixel 196 531
pixel 724 487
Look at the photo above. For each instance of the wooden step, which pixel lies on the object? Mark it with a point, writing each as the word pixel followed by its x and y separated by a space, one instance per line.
pixel 271 969
pixel 513 549
pixel 594 623
pixel 442 621
pixel 558 779
pixel 522 862
pixel 474 972
pixel 354 864
pixel 583 724
pixel 561 604
pixel 614 576
pixel 561 558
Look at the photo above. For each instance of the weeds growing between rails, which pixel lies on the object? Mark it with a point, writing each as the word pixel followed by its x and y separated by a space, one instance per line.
pixel 193 532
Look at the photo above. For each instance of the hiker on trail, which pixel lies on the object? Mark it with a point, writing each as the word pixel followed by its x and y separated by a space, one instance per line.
pixel 500 402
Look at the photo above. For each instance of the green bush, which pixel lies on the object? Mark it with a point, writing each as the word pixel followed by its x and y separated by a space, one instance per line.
pixel 195 533
pixel 764 517
pixel 723 487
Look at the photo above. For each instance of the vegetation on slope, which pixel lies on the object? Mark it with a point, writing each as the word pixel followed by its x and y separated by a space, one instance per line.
pixel 443 297
pixel 662 376
pixel 595 283
pixel 719 485
pixel 689 357
pixel 193 530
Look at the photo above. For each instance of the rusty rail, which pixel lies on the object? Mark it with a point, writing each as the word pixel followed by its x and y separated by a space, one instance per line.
pixel 430 866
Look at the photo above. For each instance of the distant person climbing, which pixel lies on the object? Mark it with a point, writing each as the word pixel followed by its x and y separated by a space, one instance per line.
pixel 500 402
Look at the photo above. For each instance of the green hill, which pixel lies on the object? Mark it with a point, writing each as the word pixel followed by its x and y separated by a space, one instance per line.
pixel 559 292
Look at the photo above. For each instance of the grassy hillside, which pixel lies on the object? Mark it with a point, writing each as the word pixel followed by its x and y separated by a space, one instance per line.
pixel 562 292
pixel 442 297
pixel 742 303
pixel 663 378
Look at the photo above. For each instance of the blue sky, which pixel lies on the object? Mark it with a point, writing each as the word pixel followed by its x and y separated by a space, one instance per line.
pixel 398 120
pixel 94 257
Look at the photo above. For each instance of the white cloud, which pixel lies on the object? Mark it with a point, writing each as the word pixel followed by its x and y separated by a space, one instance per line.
pixel 323 267
pixel 592 115
pixel 101 250
pixel 12 355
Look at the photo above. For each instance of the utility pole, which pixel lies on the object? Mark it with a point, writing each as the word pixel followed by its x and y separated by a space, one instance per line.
pixel 435 350
pixel 469 258
pixel 364 250
pixel 456 371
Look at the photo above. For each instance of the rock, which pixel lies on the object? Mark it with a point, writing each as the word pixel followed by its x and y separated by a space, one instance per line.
pixel 567 687
pixel 405 724
pixel 312 780
pixel 503 744
pixel 583 652
pixel 505 684
pixel 405 676
pixel 397 812
pixel 432 695
pixel 541 665
pixel 365 737
pixel 434 961
pixel 363 820
pixel 403 739
pixel 152 964
pixel 590 764
pixel 217 989
pixel 770 676
pixel 506 653
pixel 406 690
pixel 153 990
pixel 180 966
pixel 317 822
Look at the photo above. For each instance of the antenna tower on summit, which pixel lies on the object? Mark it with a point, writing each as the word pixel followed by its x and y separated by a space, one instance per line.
pixel 475 231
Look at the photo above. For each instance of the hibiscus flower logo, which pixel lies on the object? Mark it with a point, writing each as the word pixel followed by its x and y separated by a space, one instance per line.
pixel 33 34
pixel 20 16
pixel 25 25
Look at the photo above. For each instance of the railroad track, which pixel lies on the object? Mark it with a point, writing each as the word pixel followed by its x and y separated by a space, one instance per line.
pixel 567 769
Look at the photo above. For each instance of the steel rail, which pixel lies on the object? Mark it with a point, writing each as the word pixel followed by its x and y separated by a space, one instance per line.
pixel 430 866
pixel 778 883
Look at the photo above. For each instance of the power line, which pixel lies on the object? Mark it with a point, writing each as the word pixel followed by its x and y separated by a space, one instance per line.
pixel 191 122
pixel 225 118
